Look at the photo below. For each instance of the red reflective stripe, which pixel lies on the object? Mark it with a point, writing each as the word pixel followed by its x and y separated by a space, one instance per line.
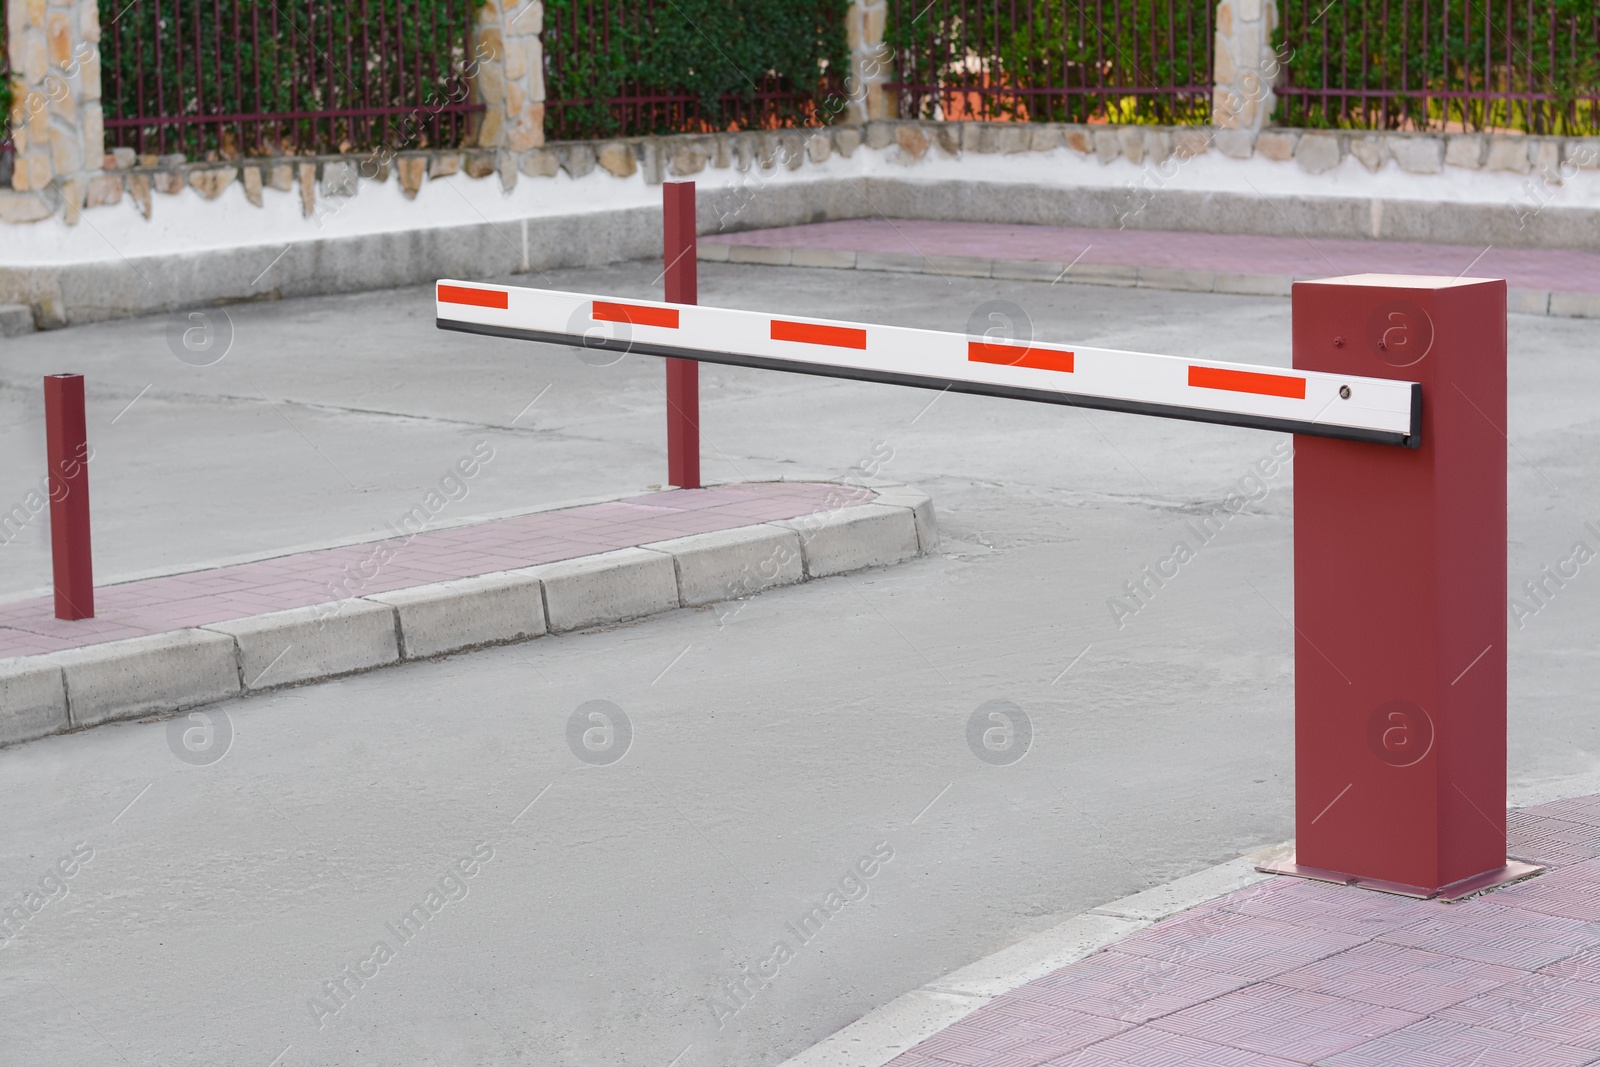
pixel 1245 381
pixel 1019 356
pixel 812 334
pixel 483 298
pixel 605 311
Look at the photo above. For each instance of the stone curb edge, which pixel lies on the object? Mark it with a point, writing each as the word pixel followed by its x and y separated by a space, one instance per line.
pixel 164 673
pixel 1521 301
pixel 882 1034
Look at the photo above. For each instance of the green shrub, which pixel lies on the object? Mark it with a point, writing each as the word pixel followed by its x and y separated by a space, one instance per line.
pixel 1046 44
pixel 1553 46
pixel 720 53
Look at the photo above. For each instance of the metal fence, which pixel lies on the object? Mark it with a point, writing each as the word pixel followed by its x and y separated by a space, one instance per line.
pixel 1049 60
pixel 256 77
pixel 1528 65
pixel 632 67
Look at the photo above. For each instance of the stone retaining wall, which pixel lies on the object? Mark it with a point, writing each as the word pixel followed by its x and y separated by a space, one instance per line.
pixel 321 182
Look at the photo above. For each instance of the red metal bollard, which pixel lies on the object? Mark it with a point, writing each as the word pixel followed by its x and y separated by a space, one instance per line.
pixel 683 375
pixel 1400 579
pixel 67 448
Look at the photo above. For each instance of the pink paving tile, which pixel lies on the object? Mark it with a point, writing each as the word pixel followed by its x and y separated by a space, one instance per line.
pixel 619 511
pixel 1585 966
pixel 1585 810
pixel 1572 892
pixel 1130 988
pixel 1395 977
pixel 71 634
pixel 1148 1047
pixel 653 530
pixel 1291 1023
pixel 1562 1011
pixel 1418 984
pixel 23 643
pixel 1441 1043
pixel 1045 1020
pixel 302 579
pixel 1492 933
pixel 970 1047
pixel 1330 907
pixel 1243 945
pixel 1541 839
pixel 1032 1033
pixel 1523 268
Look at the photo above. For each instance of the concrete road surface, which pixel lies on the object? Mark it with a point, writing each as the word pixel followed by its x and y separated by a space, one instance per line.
pixel 601 913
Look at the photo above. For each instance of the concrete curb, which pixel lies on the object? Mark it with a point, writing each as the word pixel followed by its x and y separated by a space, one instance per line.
pixel 141 675
pixel 304 644
pixel 881 1035
pixel 15 320
pixel 713 567
pixel 850 539
pixel 1560 305
pixel 165 673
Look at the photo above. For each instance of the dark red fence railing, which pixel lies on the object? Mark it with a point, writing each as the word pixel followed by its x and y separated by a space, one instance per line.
pixel 1528 65
pixel 258 77
pixel 1045 60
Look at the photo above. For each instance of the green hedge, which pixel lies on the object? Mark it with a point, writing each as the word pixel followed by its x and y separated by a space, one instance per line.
pixel 1366 43
pixel 262 56
pixel 717 52
pixel 1038 44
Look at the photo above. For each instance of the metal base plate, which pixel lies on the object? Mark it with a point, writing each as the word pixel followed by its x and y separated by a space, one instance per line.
pixel 1514 870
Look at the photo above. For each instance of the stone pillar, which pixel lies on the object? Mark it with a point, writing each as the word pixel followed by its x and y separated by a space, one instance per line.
pixel 871 63
pixel 56 121
pixel 1246 66
pixel 510 74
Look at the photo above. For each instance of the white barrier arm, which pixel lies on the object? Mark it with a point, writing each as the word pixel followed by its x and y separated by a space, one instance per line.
pixel 1307 402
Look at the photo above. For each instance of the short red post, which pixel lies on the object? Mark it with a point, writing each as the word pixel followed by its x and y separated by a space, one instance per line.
pixel 683 375
pixel 67 451
pixel 1400 587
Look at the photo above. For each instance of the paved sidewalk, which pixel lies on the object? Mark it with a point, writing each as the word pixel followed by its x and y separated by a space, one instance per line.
pixel 1523 268
pixel 307 579
pixel 1290 972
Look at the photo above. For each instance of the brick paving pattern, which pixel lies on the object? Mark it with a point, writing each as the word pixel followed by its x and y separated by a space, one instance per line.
pixel 1293 972
pixel 305 579
pixel 1523 268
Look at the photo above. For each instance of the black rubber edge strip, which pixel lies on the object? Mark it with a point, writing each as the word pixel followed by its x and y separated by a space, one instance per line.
pixel 1042 396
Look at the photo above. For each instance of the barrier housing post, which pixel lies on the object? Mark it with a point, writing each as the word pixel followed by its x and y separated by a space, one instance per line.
pixel 1400 579
pixel 67 452
pixel 683 375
